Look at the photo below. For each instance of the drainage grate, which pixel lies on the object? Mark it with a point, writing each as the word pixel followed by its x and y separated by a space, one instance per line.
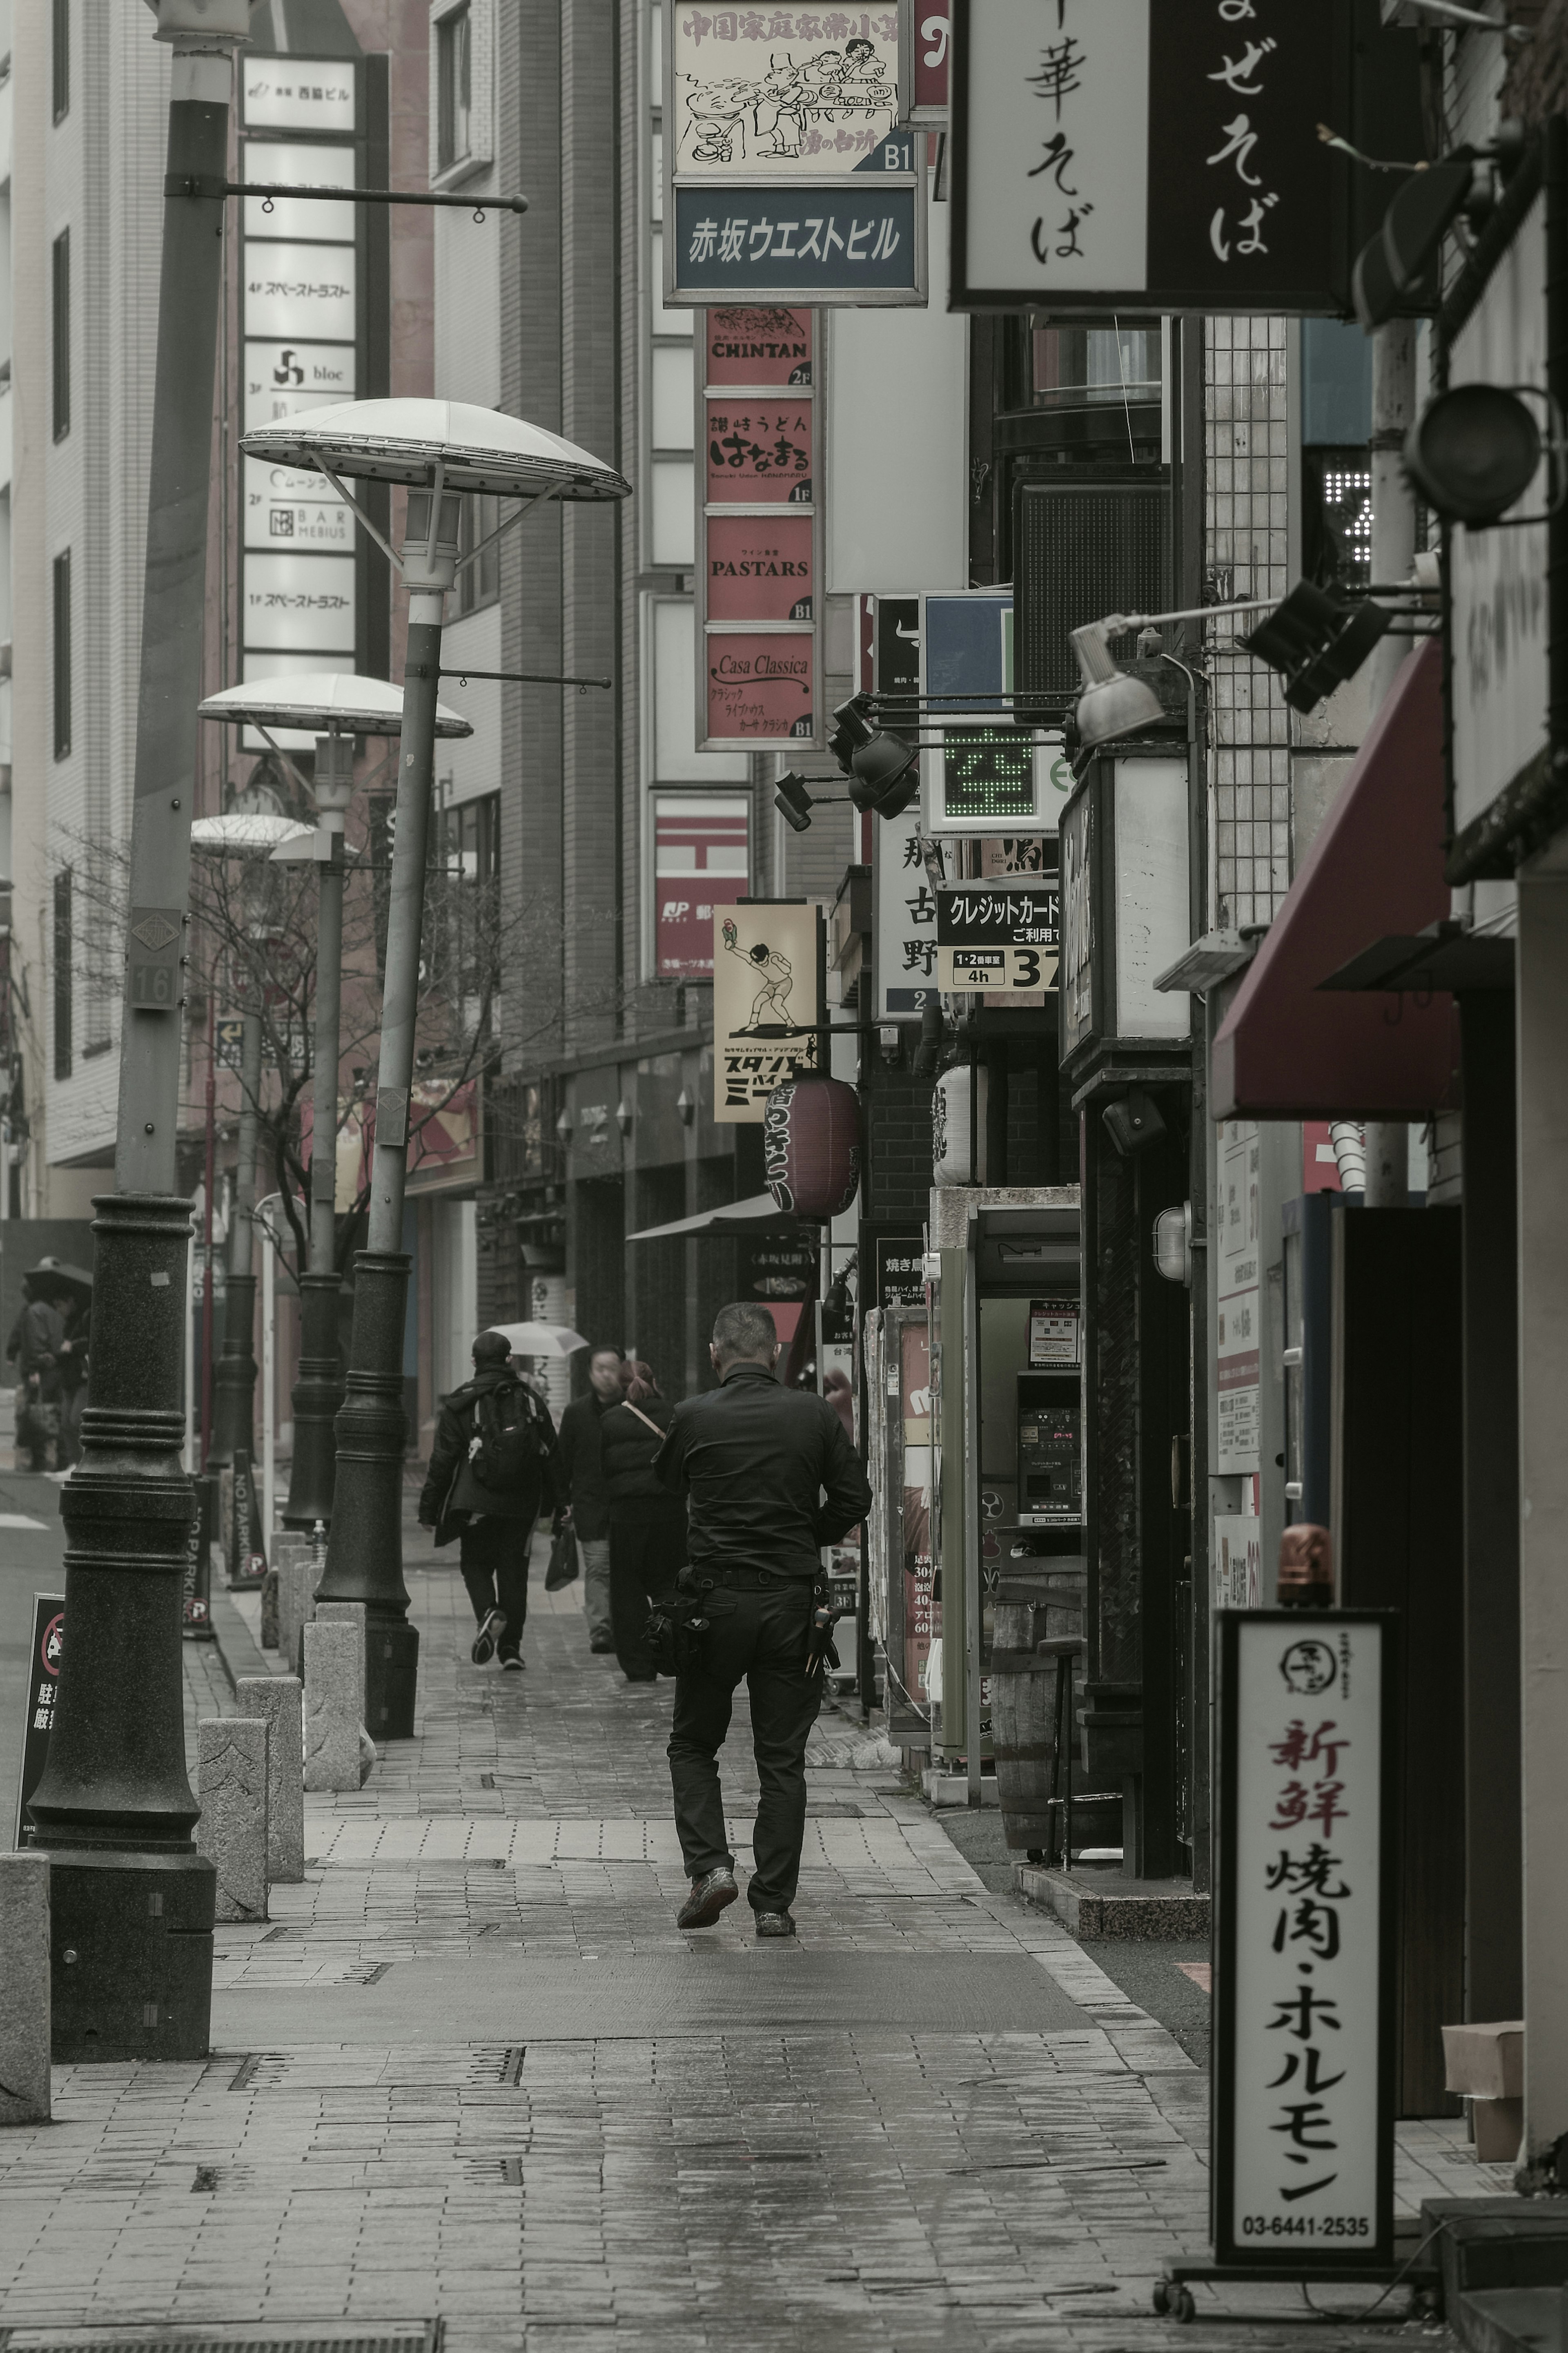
pixel 479 2066
pixel 414 2337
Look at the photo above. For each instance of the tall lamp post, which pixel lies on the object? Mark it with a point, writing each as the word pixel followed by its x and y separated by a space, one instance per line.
pixel 130 1900
pixel 335 707
pixel 438 449
pixel 246 835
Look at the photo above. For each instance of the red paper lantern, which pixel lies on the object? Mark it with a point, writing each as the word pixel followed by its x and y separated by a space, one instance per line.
pixel 811 1146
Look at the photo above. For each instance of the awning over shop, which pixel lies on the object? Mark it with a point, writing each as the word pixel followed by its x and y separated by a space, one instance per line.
pixel 1288 1049
pixel 754 1215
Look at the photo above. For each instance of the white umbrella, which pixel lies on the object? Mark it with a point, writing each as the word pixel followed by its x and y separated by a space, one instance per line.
pixel 540 1339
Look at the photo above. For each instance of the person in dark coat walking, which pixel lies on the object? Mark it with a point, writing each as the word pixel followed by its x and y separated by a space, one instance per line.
pixel 35 1341
pixel 492 1423
pixel 584 1492
pixel 648 1524
pixel 772 1477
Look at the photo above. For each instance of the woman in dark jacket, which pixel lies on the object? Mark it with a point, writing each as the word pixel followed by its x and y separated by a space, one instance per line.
pixel 647 1522
pixel 495 1524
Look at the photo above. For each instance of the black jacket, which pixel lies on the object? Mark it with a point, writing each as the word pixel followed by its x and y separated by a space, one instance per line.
pixel 453 1494
pixel 582 1466
pixel 770 1473
pixel 630 1449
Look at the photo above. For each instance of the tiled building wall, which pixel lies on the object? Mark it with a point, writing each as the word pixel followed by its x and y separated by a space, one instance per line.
pixel 1245 524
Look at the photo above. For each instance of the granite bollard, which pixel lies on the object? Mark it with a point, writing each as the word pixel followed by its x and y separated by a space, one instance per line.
pixel 231 1785
pixel 278 1701
pixel 23 1989
pixel 351 1613
pixel 335 1741
pixel 269 1610
pixel 296 1607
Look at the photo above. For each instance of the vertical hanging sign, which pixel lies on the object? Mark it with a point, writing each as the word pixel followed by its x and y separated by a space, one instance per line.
pixel 1304 1982
pixel 767 1002
pixel 759 527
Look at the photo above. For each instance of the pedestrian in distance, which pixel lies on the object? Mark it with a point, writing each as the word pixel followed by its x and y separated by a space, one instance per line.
pixel 771 1476
pixel 648 1524
pixel 492 1472
pixel 584 1494
pixel 34 1343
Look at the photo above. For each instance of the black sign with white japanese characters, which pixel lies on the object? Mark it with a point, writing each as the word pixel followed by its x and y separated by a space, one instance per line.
pixel 999 935
pixel 1107 149
pixel 1306 1948
pixel 43 1682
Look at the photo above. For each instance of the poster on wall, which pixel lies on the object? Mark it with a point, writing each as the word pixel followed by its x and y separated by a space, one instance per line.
pixel 787 174
pixel 1306 1945
pixel 767 1002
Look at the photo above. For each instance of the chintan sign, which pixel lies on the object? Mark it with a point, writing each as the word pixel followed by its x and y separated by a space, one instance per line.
pixel 788 176
pixel 1304 1982
pixel 1165 151
pixel 767 1003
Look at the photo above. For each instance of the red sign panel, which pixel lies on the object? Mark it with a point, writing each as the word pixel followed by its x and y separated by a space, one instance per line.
pixel 759 567
pixel 933 35
pixel 759 344
pixel 759 450
pixel 700 862
pixel 760 688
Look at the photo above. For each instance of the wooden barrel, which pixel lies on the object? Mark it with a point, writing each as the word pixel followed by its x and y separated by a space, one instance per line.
pixel 1028 1608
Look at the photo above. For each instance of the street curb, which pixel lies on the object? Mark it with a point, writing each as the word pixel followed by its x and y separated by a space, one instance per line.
pixel 1097 1913
pixel 234 1643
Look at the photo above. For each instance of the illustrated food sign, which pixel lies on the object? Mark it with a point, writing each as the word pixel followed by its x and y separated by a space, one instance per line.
pixel 1162 149
pixel 759 528
pixel 766 1004
pixel 787 174
pixel 1304 1986
pixel 999 935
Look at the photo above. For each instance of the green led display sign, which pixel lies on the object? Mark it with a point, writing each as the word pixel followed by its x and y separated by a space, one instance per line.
pixel 988 773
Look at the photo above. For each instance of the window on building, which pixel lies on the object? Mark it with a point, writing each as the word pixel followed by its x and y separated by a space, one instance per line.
pixel 62 677
pixel 60 330
pixel 63 962
pixel 454 87
pixel 62 60
pixel 478 583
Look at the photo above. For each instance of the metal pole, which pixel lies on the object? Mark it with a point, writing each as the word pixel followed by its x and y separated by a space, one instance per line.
pixel 209 1180
pixel 364 1554
pixel 234 1407
pixel 269 1373
pixel 1392 555
pixel 132 1901
pixel 319 1389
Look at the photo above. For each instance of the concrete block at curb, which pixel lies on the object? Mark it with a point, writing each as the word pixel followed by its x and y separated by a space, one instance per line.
pixel 279 1702
pixel 269 1610
pixel 336 1738
pixel 231 1787
pixel 23 1989
pixel 296 1607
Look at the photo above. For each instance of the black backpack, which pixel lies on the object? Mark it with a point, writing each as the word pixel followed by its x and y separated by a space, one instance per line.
pixel 511 1438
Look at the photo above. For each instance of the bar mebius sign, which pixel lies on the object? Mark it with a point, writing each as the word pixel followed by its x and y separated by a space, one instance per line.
pixel 1305 1955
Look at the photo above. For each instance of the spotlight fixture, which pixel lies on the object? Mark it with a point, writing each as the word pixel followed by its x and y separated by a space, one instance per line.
pixel 1111 704
pixel 1316 639
pixel 1473 452
pixel 1132 1123
pixel 883 768
pixel 793 801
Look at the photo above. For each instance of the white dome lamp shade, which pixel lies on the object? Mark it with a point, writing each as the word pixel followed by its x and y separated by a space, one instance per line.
pixel 334 706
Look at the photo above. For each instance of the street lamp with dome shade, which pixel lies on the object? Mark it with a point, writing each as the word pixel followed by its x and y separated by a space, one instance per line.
pixel 440 449
pixel 335 706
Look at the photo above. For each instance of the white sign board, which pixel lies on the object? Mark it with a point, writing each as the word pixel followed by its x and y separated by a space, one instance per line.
pixel 1304 1975
pixel 904 932
pixel 1238 1325
pixel 767 1002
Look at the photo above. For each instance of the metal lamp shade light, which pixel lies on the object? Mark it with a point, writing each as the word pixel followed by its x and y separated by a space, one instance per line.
pixel 438 449
pixel 1111 704
pixel 335 706
pixel 1473 452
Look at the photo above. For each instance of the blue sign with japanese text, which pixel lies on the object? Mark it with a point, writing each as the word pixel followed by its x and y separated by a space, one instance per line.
pixel 739 243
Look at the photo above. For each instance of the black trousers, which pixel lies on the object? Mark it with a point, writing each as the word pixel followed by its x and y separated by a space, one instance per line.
pixel 646 1557
pixel 493 1557
pixel 761 1636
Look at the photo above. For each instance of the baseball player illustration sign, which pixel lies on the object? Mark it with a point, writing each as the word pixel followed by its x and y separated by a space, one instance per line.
pixel 766 1005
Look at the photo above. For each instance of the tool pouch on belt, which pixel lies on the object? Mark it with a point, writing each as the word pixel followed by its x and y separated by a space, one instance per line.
pixel 677 1623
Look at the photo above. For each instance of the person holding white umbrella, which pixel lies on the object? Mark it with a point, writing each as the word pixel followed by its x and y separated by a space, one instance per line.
pixel 493 1469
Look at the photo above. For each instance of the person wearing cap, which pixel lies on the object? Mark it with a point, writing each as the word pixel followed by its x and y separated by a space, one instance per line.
pixel 771 1477
pixel 492 1472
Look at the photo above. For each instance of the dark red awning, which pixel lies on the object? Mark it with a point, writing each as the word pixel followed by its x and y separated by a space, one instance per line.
pixel 1286 1050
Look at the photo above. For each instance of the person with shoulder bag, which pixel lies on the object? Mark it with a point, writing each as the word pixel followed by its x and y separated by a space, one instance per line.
pixel 648 1524
pixel 586 1505
pixel 492 1472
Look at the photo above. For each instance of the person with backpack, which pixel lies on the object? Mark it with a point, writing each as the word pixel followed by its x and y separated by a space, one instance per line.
pixel 648 1524
pixel 492 1472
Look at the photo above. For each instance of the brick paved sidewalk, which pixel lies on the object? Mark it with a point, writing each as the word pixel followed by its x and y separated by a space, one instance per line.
pixel 471 2071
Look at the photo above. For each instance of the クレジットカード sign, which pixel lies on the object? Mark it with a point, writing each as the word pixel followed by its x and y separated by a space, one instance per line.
pixel 788 177
pixel 1165 150
pixel 1306 1953
pixel 767 1002
pixel 999 935
pixel 43 1683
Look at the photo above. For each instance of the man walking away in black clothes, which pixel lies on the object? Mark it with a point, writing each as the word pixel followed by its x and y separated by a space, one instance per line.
pixel 583 1491
pixel 772 1477
pixel 648 1524
pixel 492 1472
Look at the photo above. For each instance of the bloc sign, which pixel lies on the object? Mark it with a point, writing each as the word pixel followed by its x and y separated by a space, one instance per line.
pixel 43 1683
pixel 1306 1946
